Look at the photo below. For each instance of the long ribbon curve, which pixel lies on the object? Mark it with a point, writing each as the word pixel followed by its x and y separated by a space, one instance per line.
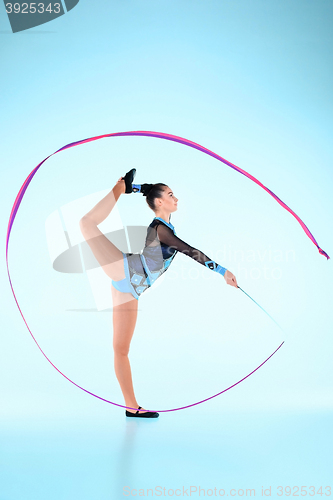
pixel 158 135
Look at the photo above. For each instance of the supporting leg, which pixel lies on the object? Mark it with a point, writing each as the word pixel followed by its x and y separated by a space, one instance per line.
pixel 124 321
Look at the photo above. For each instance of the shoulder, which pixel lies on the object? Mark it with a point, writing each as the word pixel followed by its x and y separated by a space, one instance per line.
pixel 154 223
pixel 162 228
pixel 162 223
pixel 159 225
pixel 153 226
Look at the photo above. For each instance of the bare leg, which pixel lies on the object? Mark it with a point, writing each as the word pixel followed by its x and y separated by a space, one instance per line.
pixel 104 207
pixel 124 305
pixel 108 255
pixel 124 320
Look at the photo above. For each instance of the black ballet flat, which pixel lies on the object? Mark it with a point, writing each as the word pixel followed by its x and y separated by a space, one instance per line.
pixel 129 177
pixel 140 414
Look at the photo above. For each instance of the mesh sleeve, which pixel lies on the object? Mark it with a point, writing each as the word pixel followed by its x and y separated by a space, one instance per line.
pixel 166 236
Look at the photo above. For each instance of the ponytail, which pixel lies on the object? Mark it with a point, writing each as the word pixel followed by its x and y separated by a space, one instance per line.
pixel 151 192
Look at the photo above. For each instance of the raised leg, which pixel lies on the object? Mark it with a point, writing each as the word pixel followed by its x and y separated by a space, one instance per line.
pixel 107 254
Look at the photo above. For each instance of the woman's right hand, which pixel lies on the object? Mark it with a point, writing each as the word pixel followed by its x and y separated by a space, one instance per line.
pixel 230 279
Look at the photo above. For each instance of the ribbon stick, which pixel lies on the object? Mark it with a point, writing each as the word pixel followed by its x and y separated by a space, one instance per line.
pixel 277 324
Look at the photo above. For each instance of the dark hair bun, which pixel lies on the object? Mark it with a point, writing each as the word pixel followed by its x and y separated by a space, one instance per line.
pixel 145 189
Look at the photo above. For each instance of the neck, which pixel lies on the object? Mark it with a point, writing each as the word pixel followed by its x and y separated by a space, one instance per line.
pixel 163 215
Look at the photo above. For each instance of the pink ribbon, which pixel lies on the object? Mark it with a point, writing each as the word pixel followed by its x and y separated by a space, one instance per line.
pixel 158 135
pixel 168 137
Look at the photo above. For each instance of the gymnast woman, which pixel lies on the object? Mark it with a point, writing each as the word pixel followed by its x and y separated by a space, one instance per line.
pixel 133 273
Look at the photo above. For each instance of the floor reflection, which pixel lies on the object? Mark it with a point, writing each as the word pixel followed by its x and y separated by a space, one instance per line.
pixel 126 470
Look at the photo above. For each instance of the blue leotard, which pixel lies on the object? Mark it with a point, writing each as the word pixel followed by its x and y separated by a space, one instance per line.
pixel 162 244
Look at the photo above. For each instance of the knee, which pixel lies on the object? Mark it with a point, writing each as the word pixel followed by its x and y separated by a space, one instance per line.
pixel 84 222
pixel 85 225
pixel 120 349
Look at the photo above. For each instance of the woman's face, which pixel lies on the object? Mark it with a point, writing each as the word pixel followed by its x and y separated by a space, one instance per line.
pixel 168 201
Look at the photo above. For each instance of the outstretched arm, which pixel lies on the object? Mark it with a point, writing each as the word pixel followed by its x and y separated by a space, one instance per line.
pixel 167 237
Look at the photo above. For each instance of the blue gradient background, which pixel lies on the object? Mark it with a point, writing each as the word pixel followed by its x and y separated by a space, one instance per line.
pixel 251 81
